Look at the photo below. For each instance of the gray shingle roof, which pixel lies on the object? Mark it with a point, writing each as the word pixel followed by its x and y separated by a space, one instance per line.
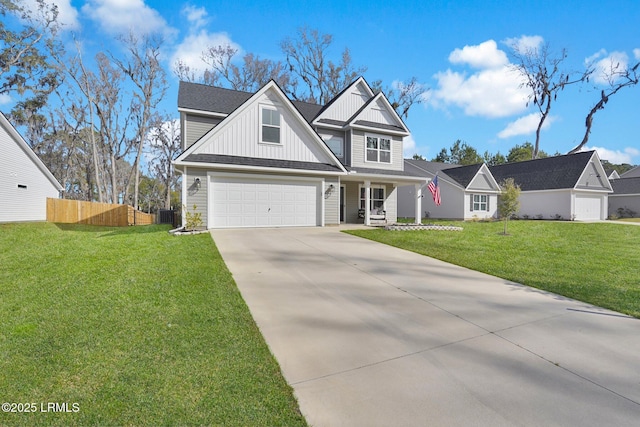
pixel 195 96
pixel 463 175
pixel 625 186
pixel 269 163
pixel 550 173
pixel 631 173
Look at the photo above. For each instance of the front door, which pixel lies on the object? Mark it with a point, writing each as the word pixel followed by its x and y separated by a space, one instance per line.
pixel 342 203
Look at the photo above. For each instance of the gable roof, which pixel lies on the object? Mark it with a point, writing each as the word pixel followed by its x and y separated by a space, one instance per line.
pixel 625 186
pixel 15 136
pixel 271 86
pixel 213 99
pixel 463 175
pixel 550 173
pixel 426 168
pixel 631 173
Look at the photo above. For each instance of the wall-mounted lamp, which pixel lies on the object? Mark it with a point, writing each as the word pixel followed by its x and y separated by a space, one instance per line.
pixel 197 182
pixel 329 191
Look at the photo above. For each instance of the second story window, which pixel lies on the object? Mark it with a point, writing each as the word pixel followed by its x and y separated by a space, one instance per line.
pixel 270 125
pixel 378 149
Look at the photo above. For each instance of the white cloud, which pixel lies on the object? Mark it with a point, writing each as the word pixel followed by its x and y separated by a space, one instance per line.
pixel 189 51
pixel 636 53
pixel 196 16
pixel 5 99
pixel 488 93
pixel 409 146
pixel 67 14
pixel 616 156
pixel 484 55
pixel 607 65
pixel 525 125
pixel 494 90
pixel 525 44
pixel 123 16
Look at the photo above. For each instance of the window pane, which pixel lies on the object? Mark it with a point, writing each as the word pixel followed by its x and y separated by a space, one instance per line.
pixel 270 117
pixel 270 134
pixel 385 156
pixel 335 144
pixel 378 193
pixel 372 142
pixel 385 144
pixel 372 155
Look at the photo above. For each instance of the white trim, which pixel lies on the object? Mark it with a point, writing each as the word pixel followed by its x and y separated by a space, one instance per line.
pixel 261 108
pixel 598 165
pixel 202 112
pixel 379 137
pixel 259 168
pixel 371 187
pixel 212 174
pixel 371 129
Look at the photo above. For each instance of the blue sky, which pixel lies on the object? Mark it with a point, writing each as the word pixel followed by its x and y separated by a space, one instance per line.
pixel 456 48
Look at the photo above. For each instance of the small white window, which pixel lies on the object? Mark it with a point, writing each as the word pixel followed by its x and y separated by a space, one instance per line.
pixel 336 145
pixel 480 202
pixel 376 199
pixel 270 125
pixel 378 149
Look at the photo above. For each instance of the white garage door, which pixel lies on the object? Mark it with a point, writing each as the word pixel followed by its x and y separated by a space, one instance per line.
pixel 588 207
pixel 251 202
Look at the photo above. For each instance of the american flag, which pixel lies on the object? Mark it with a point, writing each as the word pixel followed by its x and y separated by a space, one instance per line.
pixel 434 188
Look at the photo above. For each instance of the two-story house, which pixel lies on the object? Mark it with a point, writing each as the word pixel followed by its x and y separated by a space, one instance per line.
pixel 262 160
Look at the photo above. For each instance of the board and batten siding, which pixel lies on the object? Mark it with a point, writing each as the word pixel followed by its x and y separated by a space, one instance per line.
pixel 197 196
pixel 24 187
pixel 359 152
pixel 345 106
pixel 194 127
pixel 241 137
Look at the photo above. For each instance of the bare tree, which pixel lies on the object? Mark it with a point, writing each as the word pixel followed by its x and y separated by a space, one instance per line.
pixel 544 78
pixel 307 58
pixel 164 141
pixel 403 95
pixel 148 77
pixel 618 76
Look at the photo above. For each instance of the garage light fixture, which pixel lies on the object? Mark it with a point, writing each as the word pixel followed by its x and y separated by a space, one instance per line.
pixel 196 182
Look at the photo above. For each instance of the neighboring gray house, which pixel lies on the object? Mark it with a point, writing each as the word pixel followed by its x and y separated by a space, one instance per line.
pixel 631 173
pixel 573 186
pixel 626 196
pixel 467 192
pixel 261 160
pixel 25 182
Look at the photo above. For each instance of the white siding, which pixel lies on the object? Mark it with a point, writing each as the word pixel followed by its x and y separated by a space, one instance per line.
pixel 378 113
pixel 391 204
pixel 17 168
pixel 241 137
pixel 492 211
pixel 346 105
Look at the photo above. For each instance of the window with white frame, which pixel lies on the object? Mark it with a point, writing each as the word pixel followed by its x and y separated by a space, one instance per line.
pixel 378 149
pixel 270 129
pixel 480 202
pixel 335 144
pixel 376 198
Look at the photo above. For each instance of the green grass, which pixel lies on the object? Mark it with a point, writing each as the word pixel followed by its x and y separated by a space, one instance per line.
pixel 597 263
pixel 136 326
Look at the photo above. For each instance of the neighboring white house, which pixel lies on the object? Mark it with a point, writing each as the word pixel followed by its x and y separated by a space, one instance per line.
pixel 467 192
pixel 262 160
pixel 25 182
pixel 572 186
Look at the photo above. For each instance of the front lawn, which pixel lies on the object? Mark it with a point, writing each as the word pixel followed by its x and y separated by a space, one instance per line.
pixel 129 326
pixel 597 263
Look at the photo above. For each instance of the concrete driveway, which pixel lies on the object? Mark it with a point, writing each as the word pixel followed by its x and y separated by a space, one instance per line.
pixel 370 335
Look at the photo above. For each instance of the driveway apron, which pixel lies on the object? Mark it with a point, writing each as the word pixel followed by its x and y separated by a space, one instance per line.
pixel 371 335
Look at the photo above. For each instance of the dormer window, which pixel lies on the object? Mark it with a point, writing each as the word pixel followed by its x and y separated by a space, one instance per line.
pixel 378 149
pixel 270 129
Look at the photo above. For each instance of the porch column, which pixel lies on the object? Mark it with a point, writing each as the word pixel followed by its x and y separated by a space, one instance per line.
pixel 418 211
pixel 367 203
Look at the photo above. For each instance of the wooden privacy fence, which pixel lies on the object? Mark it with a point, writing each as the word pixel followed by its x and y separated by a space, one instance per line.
pixel 111 215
